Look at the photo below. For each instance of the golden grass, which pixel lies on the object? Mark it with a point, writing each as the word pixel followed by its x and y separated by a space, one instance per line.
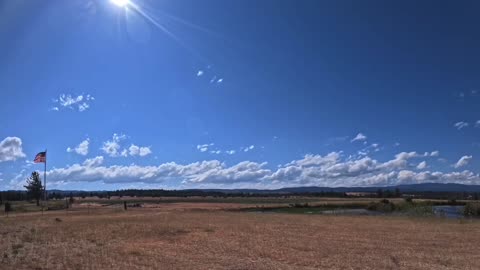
pixel 188 238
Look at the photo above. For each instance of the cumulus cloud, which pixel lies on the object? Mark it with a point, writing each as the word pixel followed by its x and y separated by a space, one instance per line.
pixel 463 161
pixel 318 170
pixel 142 151
pixel 11 149
pixel 112 147
pixel 359 137
pixel 81 149
pixel 198 172
pixel 73 102
pixel 460 125
pixel 199 73
pixel 230 152
pixel 435 153
pixel 422 165
pixel 93 162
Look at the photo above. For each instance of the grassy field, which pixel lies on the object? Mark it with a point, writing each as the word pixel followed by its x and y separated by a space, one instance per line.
pixel 188 235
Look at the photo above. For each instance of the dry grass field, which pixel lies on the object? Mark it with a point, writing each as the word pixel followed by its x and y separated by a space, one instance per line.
pixel 204 236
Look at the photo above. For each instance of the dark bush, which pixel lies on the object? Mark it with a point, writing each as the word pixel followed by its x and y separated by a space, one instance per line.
pixel 8 207
pixel 472 210
pixel 382 206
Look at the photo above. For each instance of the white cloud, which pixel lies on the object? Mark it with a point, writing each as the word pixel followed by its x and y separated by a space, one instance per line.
pixel 79 103
pixel 215 152
pixel 435 153
pixel 248 148
pixel 220 80
pixel 463 161
pixel 230 152
pixel 81 149
pixel 11 149
pixel 460 125
pixel 477 124
pixel 199 73
pixel 359 137
pixel 422 165
pixel 317 170
pixel 204 147
pixel 82 107
pixel 142 151
pixel 199 172
pixel 213 79
pixel 93 162
pixel 112 148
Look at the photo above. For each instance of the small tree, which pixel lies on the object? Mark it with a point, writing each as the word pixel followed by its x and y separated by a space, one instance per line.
pixel 34 187
pixel 71 200
pixel 380 193
pixel 8 207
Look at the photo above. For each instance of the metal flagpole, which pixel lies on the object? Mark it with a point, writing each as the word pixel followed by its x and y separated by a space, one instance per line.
pixel 45 179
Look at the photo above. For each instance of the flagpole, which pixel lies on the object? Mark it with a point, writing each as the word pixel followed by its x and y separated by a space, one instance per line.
pixel 45 179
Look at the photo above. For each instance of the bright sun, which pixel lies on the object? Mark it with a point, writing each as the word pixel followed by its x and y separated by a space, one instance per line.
pixel 120 3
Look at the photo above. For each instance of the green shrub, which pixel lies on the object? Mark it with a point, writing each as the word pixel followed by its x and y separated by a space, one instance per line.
pixel 472 210
pixel 382 206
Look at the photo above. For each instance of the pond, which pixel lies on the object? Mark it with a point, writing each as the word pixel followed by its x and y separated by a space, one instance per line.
pixel 448 211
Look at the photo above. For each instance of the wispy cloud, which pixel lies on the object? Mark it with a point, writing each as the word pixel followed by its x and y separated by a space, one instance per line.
pixel 204 147
pixel 460 125
pixel 79 103
pixel 463 161
pixel 359 137
pixel 199 73
pixel 112 147
pixel 248 148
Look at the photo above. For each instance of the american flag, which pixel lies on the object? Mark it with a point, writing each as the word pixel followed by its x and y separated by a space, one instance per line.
pixel 40 157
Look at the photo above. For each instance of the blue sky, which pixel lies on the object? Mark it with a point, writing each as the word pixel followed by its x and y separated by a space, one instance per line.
pixel 258 94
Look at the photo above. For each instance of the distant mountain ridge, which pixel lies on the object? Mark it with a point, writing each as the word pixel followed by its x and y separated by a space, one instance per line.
pixel 424 187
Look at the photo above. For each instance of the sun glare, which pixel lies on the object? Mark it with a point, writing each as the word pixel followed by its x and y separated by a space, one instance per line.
pixel 120 3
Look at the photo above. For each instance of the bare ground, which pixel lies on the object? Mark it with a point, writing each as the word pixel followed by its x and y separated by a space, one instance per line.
pixel 189 238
